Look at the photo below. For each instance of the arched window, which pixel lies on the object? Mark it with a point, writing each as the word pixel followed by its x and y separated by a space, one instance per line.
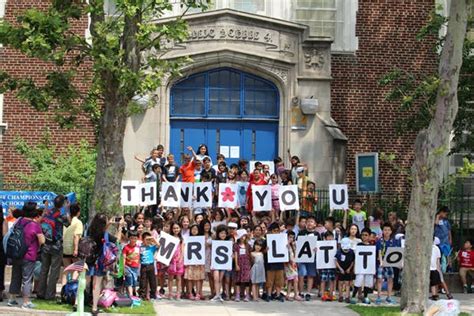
pixel 225 93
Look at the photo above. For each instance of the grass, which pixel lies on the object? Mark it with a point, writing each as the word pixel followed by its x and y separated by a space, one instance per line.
pixel 381 311
pixel 146 308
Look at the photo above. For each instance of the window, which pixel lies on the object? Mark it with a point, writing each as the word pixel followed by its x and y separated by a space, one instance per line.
pixel 329 18
pixel 225 93
pixel 251 6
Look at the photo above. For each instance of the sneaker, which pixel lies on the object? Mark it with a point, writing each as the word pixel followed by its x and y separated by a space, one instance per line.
pixel 449 296
pixel 307 297
pixel 237 298
pixel 264 296
pixel 434 298
pixel 325 297
pixel 223 296
pixel 266 299
pixel 366 300
pixel 216 298
pixel 247 298
pixel 12 303
pixel 281 298
pixel 28 306
pixel 340 300
pixel 390 300
pixel 347 300
pixel 162 291
pixel 378 301
pixel 353 301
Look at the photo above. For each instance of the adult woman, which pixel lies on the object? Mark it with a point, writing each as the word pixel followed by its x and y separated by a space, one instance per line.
pixel 97 229
pixel 138 219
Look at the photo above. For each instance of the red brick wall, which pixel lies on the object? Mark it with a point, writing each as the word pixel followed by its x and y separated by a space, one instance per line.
pixel 386 31
pixel 24 121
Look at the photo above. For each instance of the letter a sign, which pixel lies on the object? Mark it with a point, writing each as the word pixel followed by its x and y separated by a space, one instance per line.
pixel 339 197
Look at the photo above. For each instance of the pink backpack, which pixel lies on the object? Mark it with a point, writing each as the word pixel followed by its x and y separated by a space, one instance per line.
pixel 107 298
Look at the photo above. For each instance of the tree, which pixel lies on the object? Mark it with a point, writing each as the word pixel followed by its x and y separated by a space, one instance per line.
pixel 431 146
pixel 417 94
pixel 122 60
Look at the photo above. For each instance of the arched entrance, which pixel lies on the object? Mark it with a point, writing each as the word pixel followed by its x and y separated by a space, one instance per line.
pixel 231 111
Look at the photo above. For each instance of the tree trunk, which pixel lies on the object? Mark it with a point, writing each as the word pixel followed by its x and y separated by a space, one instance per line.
pixel 431 147
pixel 110 161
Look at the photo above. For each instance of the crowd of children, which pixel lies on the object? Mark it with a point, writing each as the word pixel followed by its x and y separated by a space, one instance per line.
pixel 252 277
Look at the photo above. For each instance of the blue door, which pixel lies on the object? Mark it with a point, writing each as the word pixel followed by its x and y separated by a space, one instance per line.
pixel 232 112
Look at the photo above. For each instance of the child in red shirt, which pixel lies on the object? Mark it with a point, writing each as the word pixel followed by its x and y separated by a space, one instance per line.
pixel 466 265
pixel 131 254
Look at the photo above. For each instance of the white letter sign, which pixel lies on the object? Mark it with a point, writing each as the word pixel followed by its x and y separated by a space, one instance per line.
pixel 128 196
pixel 262 197
pixel 148 194
pixel 277 248
pixel 170 194
pixel 289 197
pixel 221 255
pixel 228 195
pixel 194 251
pixel 393 257
pixel 305 249
pixel 203 194
pixel 186 198
pixel 326 254
pixel 339 197
pixel 167 247
pixel 365 259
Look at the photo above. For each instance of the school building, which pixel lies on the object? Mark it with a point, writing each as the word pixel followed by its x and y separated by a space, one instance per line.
pixel 266 76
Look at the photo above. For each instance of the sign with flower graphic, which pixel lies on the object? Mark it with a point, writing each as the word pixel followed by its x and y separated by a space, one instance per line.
pixel 228 195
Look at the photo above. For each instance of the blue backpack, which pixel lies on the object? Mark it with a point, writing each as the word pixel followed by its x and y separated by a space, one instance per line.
pixel 16 246
pixel 69 292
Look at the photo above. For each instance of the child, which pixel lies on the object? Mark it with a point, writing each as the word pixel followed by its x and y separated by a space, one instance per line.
pixel 221 234
pixel 291 269
pixel 466 265
pixel 275 272
pixel 205 228
pixel 147 268
pixel 435 279
pixel 218 275
pixel 131 253
pixel 308 270
pixel 353 235
pixel 363 281
pixel 195 274
pixel 385 272
pixel 328 275
pixel 257 272
pixel 160 267
pixel 345 259
pixel 176 266
pixel 357 215
pixel 376 222
pixel 242 266
pixel 275 194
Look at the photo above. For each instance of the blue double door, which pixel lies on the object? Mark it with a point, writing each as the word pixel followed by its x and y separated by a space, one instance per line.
pixel 236 139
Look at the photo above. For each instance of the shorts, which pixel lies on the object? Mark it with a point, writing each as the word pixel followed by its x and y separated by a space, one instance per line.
pixel 275 278
pixel 131 276
pixel 95 271
pixel 345 277
pixel 307 269
pixel 228 274
pixel 435 278
pixel 366 280
pixel 327 275
pixel 385 273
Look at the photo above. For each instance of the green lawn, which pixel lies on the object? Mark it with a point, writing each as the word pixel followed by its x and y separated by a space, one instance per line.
pixel 381 311
pixel 146 308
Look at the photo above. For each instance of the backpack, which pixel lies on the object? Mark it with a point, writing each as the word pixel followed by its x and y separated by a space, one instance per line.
pixel 69 292
pixel 122 300
pixel 16 246
pixel 87 250
pixel 107 298
pixel 108 258
pixel 48 225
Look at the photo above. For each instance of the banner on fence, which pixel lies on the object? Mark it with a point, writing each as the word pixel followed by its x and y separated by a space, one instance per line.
pixel 16 199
